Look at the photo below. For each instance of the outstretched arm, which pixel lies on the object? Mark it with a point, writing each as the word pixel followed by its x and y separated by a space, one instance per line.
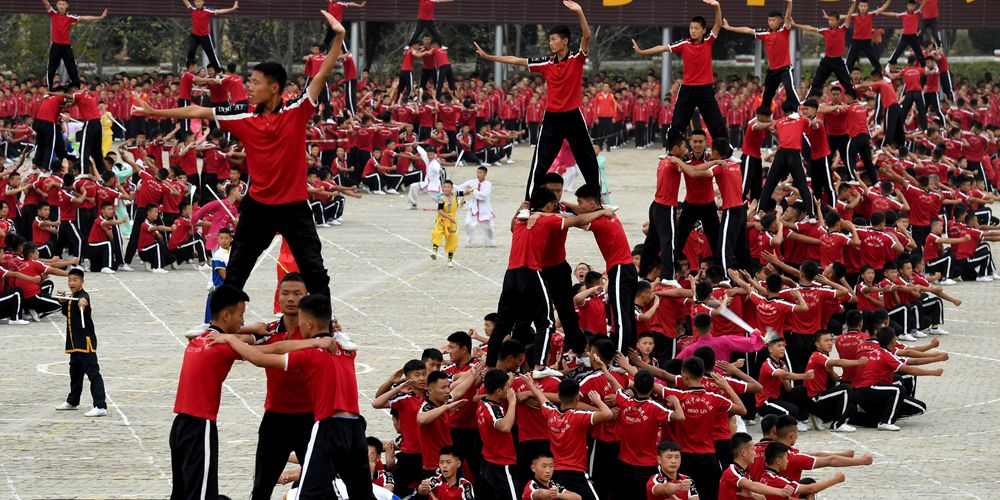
pixel 95 18
pixel 318 83
pixel 234 8
pixel 192 112
pixel 737 29
pixel 804 27
pixel 883 8
pixel 48 6
pixel 187 4
pixel 584 27
pixel 512 60
pixel 658 49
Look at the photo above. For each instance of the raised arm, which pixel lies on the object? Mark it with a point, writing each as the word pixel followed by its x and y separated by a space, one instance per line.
pixel 187 4
pixel 48 6
pixel 804 27
pixel 95 18
pixel 234 8
pixel 883 8
pixel 788 13
pixel 584 27
pixel 512 60
pixel 717 27
pixel 318 83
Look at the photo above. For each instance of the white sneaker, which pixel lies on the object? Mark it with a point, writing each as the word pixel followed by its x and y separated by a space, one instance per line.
pixel 918 334
pixel 203 267
pixel 545 373
pixel 34 315
pixel 984 279
pixel 107 270
pixel 160 270
pixel 125 267
pixel 948 282
pixel 66 406
pixel 888 427
pixel 18 322
pixel 906 337
pixel 196 331
pixel 510 162
pixel 803 427
pixel 451 263
pixel 345 342
pixel 937 330
pixel 524 214
pixel 844 428
pixel 148 266
pixel 378 192
pixel 97 412
pixel 996 276
pixel 673 283
pixel 335 222
pixel 391 191
pixel 322 225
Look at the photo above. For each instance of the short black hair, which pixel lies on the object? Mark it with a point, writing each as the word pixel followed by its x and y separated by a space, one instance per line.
pixel 542 197
pixel 273 72
pixel 436 375
pixel 412 366
pixel 494 380
pixel 461 339
pixel 76 271
pixel 491 317
pixel 721 146
pixel 700 20
pixel 224 297
pixel 451 450
pixel 293 277
pixel 569 389
pixel 589 192
pixel 694 367
pixel 667 446
pixel 643 382
pixel 739 441
pixel 773 451
pixel 767 423
pixel 317 306
pixel 376 443
pixel 706 354
pixel 561 30
pixel 432 354
pixel 552 178
pixel 510 348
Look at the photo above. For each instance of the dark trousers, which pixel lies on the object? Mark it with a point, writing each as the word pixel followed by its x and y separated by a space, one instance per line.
pixel 407 473
pixel 893 126
pixel 43 303
pixel 786 161
pixel 351 96
pixel 61 53
pixel 828 66
pixel 10 303
pixel 622 281
pixel 838 144
pixel 946 86
pixel 192 249
pixel 734 248
pixel 884 404
pixel 860 145
pixel 337 447
pixel 947 265
pixel 208 190
pixel 798 348
pixel 821 174
pixel 523 298
pixel 558 127
pixel 258 224
pixel 425 25
pixel 80 364
pixel 205 42
pixel 444 75
pixel 69 238
pixel 428 75
pixel 558 281
pixel 753 180
pixel 49 142
pixel 915 98
pixel 603 130
pixel 502 481
pixel 704 471
pixel 469 445
pixel 634 478
pixel 194 458
pixel 774 79
pixel 702 98
pixel 834 405
pixel 791 402
pixel 605 468
pixel 577 482
pixel 932 101
pixel 932 26
pixel 90 147
pixel 156 255
pixel 100 256
pixel 911 41
pixel 690 213
pixel 866 48
pixel 405 84
pixel 659 240
pixel 279 435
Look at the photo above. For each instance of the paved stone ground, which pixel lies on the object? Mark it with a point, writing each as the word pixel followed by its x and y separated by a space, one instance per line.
pixel 395 300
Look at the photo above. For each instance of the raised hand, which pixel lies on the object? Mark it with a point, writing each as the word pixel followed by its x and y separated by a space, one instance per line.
pixel 479 51
pixel 573 6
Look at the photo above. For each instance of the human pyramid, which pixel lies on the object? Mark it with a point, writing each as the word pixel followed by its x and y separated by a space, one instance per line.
pixel 638 382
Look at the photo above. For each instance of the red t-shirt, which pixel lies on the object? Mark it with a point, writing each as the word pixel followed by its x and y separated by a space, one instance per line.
pixel 835 40
pixel 911 21
pixel 86 104
pixel 275 148
pixel 426 10
pixel 911 79
pixel 729 177
pixel 204 370
pixel 200 20
pixel 30 268
pixel 851 345
pixel 729 485
pixel 697 58
pixel 702 412
pixel 699 190
pixel 528 245
pixel 753 140
pixel 61 26
pixel 817 363
pixel 568 436
pixel 771 312
pixel 531 423
pixel 642 418
pixel 924 205
pixel 661 478
pixel 434 436
pixel 233 84
pixel 564 78
pixel 668 183
pixel 407 406
pixel 772 385
pixel 611 240
pixel 287 390
pixel 790 130
pixel 776 46
pixel 881 365
pixel 49 109
pixel 857 120
pixel 832 247
pixel 498 446
pixel 862 25
pixel 331 378
pixel 929 9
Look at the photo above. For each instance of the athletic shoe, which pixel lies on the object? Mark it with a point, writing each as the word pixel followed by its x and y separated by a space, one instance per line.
pixel 545 373
pixel 434 256
pixel 391 191
pixel 160 270
pixel 203 267
pixel 107 270
pixel 66 406
pixel 196 331
pixel 673 283
pixel 749 422
pixel 524 214
pixel 97 412
pixel 335 222
pixel 510 162
pixel 18 322
pixel 125 267
pixel 888 427
pixel 496 164
pixel 906 337
pixel 802 426
pixel 345 342
pixel 918 334
pixel 322 225
pixel 378 192
pixel 148 266
pixel 948 282
pixel 412 206
pixel 845 427
pixel 460 164
pixel 984 279
pixel 996 276
pixel 173 265
pixel 34 315
pixel 451 263
pixel 937 330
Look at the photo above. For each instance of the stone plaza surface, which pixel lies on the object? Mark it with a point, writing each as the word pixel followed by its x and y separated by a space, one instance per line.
pixel 394 300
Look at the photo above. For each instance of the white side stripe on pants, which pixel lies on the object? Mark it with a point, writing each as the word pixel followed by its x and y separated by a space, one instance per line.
pixel 208 459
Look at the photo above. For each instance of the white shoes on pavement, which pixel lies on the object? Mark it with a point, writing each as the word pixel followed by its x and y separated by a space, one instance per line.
pixel 97 412
pixel 66 406
pixel 888 427
pixel 345 342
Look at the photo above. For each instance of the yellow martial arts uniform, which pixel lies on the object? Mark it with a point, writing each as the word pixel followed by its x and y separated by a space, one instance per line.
pixel 446 231
pixel 107 135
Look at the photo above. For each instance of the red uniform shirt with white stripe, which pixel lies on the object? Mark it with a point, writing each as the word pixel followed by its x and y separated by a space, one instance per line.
pixel 332 383
pixel 882 364
pixel 461 490
pixel 668 182
pixel 203 371
pixel 287 390
pixel 426 10
pixel 528 245
pixel 771 384
pixel 434 436
pixel 911 21
pixel 407 406
pixel 568 436
pixel 816 134
pixel 564 78
pixel 662 478
pixel 643 418
pixel 857 120
pixel 776 46
pixel 886 93
pixel 86 103
pixel 200 20
pixel 498 446
pixel 852 345
pixel 534 486
pixel 729 177
pixel 702 412
pixel 911 79
pixel 771 312
pixel 611 240
pixel 729 485
pixel 235 87
pixel 62 24
pixel 697 58
pixel 531 423
pixel 790 130
pixel 836 39
pixel 862 25
pixel 275 149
